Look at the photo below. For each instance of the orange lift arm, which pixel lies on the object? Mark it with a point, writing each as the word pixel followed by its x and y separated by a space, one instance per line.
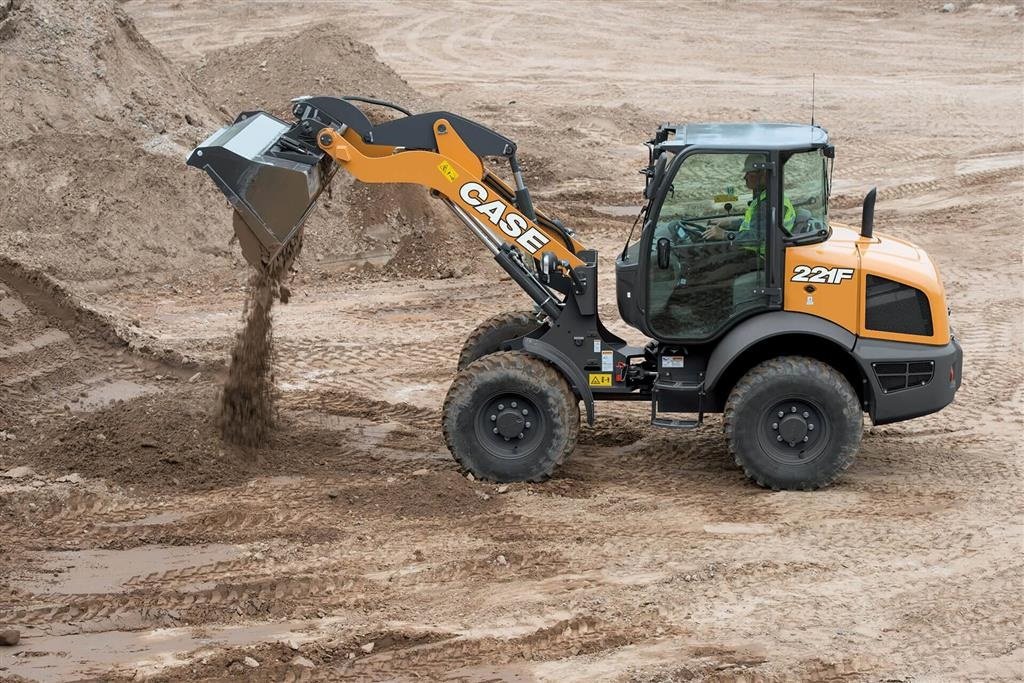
pixel 478 198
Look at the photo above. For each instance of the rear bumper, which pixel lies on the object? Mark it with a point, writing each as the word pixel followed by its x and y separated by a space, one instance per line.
pixel 888 400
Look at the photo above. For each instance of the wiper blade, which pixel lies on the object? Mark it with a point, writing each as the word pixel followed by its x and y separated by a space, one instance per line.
pixel 807 238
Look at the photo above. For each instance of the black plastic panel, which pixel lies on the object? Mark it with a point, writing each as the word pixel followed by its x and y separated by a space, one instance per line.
pixel 895 307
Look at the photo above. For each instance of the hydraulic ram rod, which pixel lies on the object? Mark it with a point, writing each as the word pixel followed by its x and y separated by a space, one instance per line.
pixel 507 258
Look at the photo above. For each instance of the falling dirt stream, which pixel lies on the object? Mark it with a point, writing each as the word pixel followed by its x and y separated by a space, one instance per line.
pixel 247 415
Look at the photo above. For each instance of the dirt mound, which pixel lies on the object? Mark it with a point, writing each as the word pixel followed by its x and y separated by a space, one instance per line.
pixel 82 66
pixel 360 224
pixel 92 148
pixel 109 209
pixel 317 60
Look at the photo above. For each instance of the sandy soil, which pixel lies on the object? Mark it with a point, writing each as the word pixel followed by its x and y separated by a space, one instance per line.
pixel 135 544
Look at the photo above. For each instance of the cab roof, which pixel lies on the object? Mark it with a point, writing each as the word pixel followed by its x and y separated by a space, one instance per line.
pixel 740 136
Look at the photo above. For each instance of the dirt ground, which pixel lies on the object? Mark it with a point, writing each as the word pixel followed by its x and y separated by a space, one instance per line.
pixel 135 544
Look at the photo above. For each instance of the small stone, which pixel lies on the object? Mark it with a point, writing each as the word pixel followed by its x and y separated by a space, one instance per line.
pixel 194 377
pixel 236 667
pixel 500 559
pixel 351 655
pixel 469 475
pixel 303 662
pixel 18 472
pixel 503 488
pixel 250 662
pixel 73 478
pixel 332 494
pixel 294 645
pixel 949 7
pixel 367 647
pixel 159 377
pixel 420 472
pixel 263 64
pixel 321 614
pixel 10 636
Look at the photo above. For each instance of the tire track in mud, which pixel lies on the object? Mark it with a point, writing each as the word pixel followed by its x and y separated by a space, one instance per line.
pixel 350 593
pixel 350 404
pixel 580 635
pixel 940 186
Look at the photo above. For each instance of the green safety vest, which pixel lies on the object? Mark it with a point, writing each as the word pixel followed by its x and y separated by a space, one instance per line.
pixel 788 212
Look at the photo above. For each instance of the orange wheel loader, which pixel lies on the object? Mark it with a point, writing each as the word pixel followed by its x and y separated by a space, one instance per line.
pixel 757 306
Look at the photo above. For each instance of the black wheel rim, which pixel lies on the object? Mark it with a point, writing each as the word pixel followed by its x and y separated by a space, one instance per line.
pixel 509 425
pixel 794 431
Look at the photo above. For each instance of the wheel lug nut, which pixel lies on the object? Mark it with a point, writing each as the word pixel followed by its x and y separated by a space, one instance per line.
pixel 810 427
pixel 806 414
pixel 501 406
pixel 781 413
pixel 805 438
pixel 521 435
pixel 792 409
pixel 513 404
pixel 778 438
pixel 528 425
pixel 525 411
pixel 506 438
pixel 495 430
pixel 775 425
pixel 493 418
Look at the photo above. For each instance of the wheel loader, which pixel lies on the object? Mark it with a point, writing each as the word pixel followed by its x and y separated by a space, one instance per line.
pixel 756 304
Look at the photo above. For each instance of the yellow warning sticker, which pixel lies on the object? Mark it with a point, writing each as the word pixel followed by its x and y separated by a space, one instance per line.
pixel 721 198
pixel 600 379
pixel 448 171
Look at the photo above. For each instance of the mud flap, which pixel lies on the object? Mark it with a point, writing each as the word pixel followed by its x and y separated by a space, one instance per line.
pixel 272 172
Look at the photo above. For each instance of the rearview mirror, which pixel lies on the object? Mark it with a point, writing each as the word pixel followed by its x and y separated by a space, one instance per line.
pixel 663 250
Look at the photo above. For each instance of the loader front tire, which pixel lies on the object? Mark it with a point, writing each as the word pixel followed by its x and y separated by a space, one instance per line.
pixel 493 332
pixel 510 416
pixel 793 423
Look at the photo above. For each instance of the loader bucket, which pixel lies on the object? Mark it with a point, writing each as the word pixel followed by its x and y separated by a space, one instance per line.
pixel 271 179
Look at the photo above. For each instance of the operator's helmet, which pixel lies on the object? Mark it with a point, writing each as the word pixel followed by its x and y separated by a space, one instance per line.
pixel 751 160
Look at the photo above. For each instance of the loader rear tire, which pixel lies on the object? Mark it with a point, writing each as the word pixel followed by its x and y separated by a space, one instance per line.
pixel 493 332
pixel 793 423
pixel 510 416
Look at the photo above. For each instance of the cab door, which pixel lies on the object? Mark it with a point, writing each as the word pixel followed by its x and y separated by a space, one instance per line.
pixel 707 248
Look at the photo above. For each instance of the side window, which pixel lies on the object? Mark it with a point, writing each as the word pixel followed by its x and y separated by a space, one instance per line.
pixel 805 184
pixel 707 261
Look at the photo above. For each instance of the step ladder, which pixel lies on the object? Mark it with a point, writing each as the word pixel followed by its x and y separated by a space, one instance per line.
pixel 675 422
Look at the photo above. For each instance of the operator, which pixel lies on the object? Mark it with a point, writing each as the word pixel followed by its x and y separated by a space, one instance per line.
pixel 757 181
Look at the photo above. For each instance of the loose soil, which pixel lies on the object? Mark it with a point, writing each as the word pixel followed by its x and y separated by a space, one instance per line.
pixel 247 416
pixel 138 543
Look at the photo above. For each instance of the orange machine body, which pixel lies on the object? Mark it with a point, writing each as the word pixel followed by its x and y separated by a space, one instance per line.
pixel 813 287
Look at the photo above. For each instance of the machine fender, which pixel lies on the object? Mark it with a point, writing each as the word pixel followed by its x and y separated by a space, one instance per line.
pixel 577 380
pixel 765 326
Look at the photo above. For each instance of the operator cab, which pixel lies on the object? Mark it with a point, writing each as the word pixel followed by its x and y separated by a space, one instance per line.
pixel 723 203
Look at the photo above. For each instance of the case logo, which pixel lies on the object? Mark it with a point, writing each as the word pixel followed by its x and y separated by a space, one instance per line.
pixel 821 275
pixel 506 220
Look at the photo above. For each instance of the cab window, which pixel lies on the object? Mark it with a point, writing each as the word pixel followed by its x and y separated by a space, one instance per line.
pixel 707 250
pixel 805 184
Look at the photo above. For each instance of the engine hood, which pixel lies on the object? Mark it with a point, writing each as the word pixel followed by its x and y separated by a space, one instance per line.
pixel 829 280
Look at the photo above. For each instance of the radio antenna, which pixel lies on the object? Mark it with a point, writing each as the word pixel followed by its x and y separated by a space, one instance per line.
pixel 812 99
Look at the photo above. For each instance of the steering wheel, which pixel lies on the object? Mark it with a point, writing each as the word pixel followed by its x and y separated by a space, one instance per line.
pixel 692 229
